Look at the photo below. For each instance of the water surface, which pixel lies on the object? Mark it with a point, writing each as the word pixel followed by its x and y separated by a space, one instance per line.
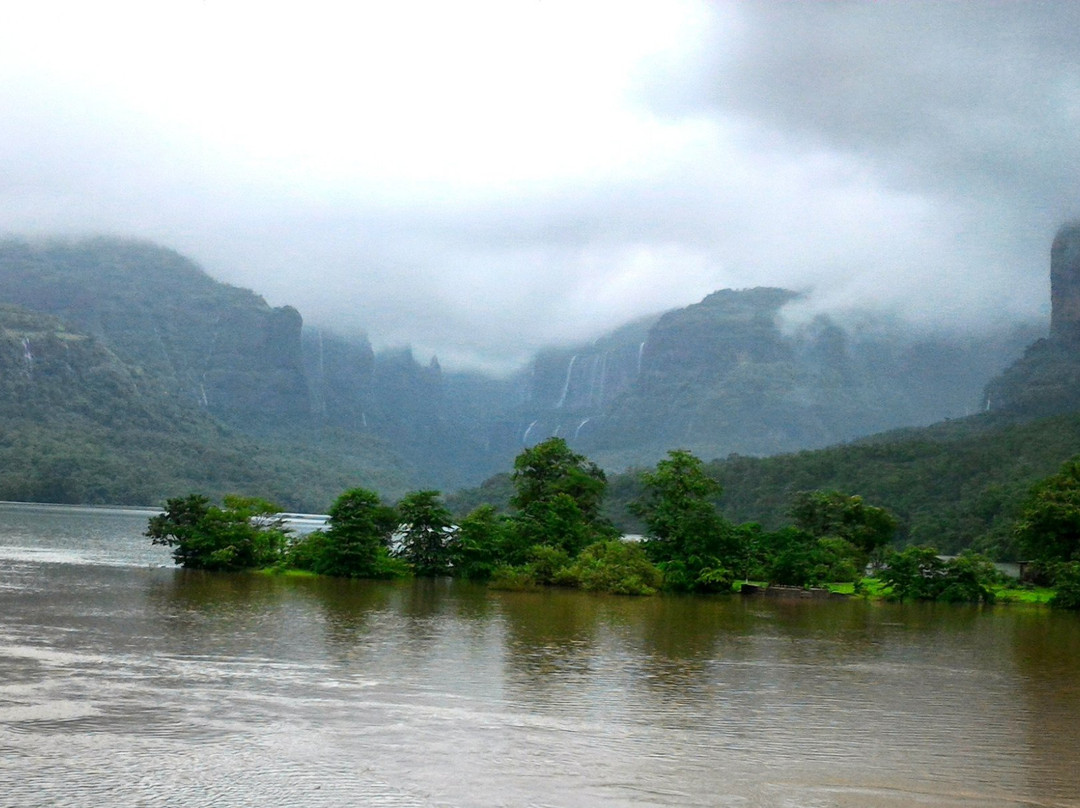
pixel 124 683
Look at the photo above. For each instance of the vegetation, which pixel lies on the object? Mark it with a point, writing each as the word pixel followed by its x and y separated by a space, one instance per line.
pixel 245 533
pixel 920 573
pixel 686 536
pixel 556 534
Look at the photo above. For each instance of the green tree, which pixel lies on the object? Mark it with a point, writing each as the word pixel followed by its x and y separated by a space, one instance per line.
pixel 558 494
pixel 686 535
pixel 426 528
pixel 843 516
pixel 916 573
pixel 1048 529
pixel 919 573
pixel 1067 583
pixel 357 541
pixel 969 578
pixel 476 548
pixel 245 533
pixel 614 566
pixel 550 468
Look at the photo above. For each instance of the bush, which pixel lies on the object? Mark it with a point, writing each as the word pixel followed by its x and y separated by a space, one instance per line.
pixel 1067 582
pixel 517 579
pixel 969 578
pixel 613 566
pixel 696 574
pixel 919 573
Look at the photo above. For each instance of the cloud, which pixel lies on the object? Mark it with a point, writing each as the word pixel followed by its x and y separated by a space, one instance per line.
pixel 481 179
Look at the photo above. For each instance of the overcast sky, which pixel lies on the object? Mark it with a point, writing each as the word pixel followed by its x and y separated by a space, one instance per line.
pixel 481 179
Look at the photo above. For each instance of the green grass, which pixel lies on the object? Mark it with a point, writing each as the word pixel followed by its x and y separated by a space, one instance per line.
pixel 1012 593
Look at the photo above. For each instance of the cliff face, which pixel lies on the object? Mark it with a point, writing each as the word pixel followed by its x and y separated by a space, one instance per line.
pixel 1046 379
pixel 722 376
pixel 210 344
pixel 717 377
pixel 1065 284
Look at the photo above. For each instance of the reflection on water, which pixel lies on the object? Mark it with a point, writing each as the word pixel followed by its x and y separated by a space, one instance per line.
pixel 127 684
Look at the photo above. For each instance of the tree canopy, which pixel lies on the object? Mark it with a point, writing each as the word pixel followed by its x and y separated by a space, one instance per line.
pixel 245 533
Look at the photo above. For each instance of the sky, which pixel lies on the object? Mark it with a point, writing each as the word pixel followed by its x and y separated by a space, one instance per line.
pixel 481 179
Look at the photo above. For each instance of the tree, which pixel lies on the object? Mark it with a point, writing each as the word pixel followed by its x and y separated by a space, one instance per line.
pixel 244 534
pixel 843 516
pixel 915 573
pixel 1048 529
pixel 476 548
pixel 358 538
pixel 687 537
pixel 558 494
pixel 614 566
pixel 426 528
pixel 919 573
pixel 795 557
pixel 550 468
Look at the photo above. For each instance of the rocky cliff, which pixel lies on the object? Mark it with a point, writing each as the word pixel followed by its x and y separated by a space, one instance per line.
pixel 1046 379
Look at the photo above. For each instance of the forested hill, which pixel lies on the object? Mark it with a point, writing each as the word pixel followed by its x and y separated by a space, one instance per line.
pixel 132 378
pixel 142 338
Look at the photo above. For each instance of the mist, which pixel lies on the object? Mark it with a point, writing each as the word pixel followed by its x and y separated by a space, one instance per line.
pixel 478 180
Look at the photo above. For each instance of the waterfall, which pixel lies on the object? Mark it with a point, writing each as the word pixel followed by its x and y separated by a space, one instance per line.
pixel 603 380
pixel 28 355
pixel 579 426
pixel 640 353
pixel 594 374
pixel 321 365
pixel 566 384
pixel 525 437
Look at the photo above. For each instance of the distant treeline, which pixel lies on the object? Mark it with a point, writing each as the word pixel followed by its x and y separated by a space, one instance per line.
pixel 556 534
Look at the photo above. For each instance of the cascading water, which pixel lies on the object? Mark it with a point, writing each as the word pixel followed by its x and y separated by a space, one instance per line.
pixel 579 426
pixel 525 437
pixel 28 355
pixel 566 384
pixel 640 353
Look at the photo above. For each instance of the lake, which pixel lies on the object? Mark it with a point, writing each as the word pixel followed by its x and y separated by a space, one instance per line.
pixel 127 683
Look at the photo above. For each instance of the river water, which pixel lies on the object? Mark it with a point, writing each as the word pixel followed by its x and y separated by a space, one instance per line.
pixel 127 683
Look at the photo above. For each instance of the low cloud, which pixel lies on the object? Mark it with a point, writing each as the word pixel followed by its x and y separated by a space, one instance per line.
pixel 478 185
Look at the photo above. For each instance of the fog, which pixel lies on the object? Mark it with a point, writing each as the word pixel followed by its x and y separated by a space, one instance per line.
pixel 481 179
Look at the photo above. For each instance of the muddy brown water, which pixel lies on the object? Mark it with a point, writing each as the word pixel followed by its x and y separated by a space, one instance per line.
pixel 125 683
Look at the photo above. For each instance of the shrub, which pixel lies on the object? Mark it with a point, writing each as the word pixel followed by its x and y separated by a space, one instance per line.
pixel 613 566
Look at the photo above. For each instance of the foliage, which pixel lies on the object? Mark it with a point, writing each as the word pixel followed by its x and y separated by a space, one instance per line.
pixel 244 534
pixel 686 536
pixel 517 579
pixel 1067 584
pixel 969 578
pixel 958 484
pixel 795 557
pixel 426 528
pixel 913 574
pixel 614 566
pixel 550 468
pixel 477 547
pixel 843 516
pixel 919 573
pixel 358 538
pixel 557 499
pixel 701 574
pixel 679 510
pixel 1048 529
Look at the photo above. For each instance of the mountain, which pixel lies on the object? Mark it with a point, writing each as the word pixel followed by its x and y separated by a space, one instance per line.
pixel 128 375
pixel 723 376
pixel 152 342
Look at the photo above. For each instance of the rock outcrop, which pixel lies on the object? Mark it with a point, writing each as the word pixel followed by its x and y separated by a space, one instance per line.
pixel 1065 284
